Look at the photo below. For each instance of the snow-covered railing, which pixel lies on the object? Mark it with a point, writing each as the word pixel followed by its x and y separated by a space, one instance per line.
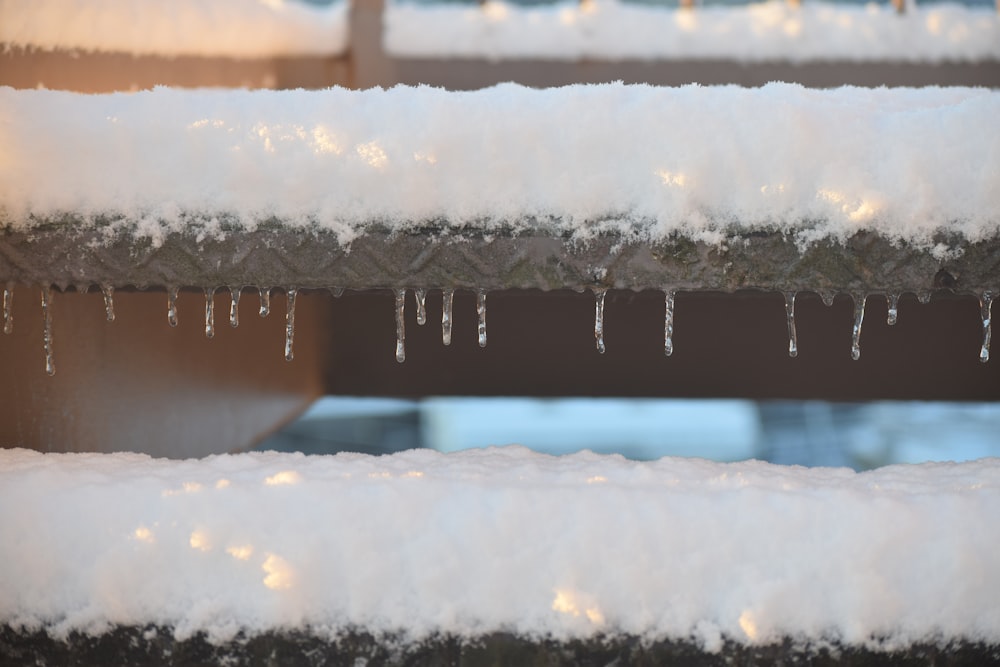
pixel 775 30
pixel 449 549
pixel 124 558
pixel 600 187
pixel 222 28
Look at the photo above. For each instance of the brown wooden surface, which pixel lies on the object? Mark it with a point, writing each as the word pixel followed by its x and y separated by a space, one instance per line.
pixel 137 384
pixel 111 72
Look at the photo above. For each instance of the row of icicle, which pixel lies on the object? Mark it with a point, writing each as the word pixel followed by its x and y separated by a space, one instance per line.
pixel 447 300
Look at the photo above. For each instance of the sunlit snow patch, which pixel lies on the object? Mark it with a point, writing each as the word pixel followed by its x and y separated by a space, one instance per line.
pixel 502 539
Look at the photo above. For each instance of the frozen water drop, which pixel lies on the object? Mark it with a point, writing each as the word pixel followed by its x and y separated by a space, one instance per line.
pixel 668 322
pixel 400 325
pixel 892 299
pixel 859 317
pixel 421 295
pixel 8 305
pixel 50 366
pixel 599 294
pixel 290 294
pixel 447 302
pixel 234 306
pixel 265 300
pixel 209 312
pixel 336 292
pixel 827 296
pixel 924 296
pixel 986 307
pixel 481 312
pixel 109 301
pixel 172 306
pixel 793 340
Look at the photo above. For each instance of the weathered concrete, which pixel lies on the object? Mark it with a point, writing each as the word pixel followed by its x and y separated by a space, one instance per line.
pixel 152 645
pixel 427 258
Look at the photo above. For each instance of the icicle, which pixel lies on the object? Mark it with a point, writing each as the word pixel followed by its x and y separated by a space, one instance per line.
pixel 265 300
pixel 109 301
pixel 421 295
pixel 172 306
pixel 668 322
pixel 892 299
pixel 400 325
pixel 50 366
pixel 986 306
pixel 234 306
pixel 447 300
pixel 290 294
pixel 859 316
pixel 793 339
pixel 599 294
pixel 924 296
pixel 8 305
pixel 337 292
pixel 209 312
pixel 481 311
pixel 828 297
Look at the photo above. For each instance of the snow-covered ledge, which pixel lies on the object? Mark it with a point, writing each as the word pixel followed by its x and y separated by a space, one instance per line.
pixel 775 30
pixel 783 188
pixel 621 186
pixel 222 28
pixel 446 549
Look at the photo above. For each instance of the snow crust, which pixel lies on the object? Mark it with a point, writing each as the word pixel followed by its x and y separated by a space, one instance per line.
pixel 642 162
pixel 227 28
pixel 762 31
pixel 501 539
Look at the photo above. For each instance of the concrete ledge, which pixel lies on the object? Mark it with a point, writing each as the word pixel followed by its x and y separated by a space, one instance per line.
pixel 151 645
pixel 426 258
pixel 459 73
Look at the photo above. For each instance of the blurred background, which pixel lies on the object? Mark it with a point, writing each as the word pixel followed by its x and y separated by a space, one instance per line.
pixel 808 433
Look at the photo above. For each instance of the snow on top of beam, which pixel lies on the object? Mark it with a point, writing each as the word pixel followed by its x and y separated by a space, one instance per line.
pixel 641 162
pixel 766 31
pixel 501 539
pixel 224 28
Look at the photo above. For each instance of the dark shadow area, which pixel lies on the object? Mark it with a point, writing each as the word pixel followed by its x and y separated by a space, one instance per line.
pixel 724 345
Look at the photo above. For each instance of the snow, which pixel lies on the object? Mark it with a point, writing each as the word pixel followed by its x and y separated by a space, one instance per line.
pixel 642 162
pixel 501 539
pixel 225 28
pixel 765 31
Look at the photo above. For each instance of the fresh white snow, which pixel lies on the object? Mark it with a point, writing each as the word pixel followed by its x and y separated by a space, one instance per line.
pixel 638 161
pixel 765 31
pixel 227 28
pixel 501 539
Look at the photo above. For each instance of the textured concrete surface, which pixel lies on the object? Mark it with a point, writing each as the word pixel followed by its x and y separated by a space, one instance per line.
pixel 151 645
pixel 430 259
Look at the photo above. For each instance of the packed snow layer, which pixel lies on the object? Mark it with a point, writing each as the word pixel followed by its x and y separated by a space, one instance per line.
pixel 225 28
pixel 501 539
pixel 639 161
pixel 764 31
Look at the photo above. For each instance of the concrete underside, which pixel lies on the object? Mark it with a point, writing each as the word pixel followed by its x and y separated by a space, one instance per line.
pixel 150 645
pixel 433 258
